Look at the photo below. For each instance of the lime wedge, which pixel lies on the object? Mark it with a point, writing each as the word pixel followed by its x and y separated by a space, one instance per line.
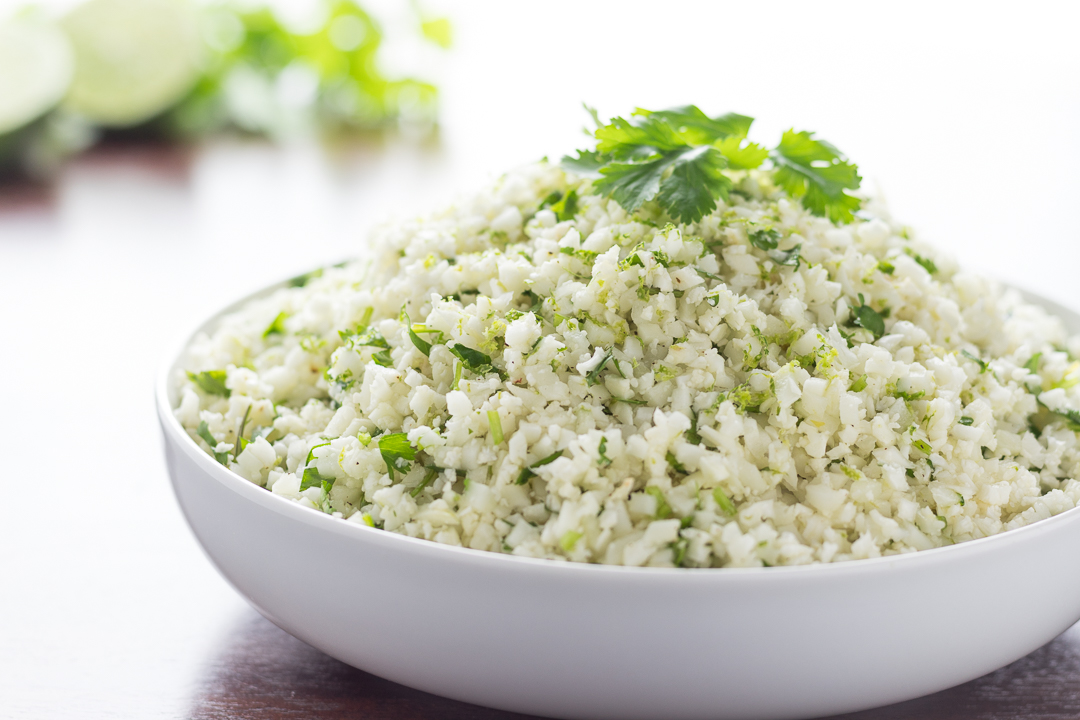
pixel 35 70
pixel 133 58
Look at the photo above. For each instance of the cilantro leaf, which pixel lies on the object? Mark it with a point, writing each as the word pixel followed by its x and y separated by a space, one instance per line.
pixel 586 164
pixel 625 140
pixel 696 180
pixel 678 156
pixel 699 128
pixel 208 438
pixel 211 382
pixel 277 327
pixel 396 452
pixel 601 450
pixel 632 184
pixel 1032 365
pixel 927 264
pixel 983 365
pixel 593 376
pixel 867 317
pixel 742 156
pixel 527 473
pixel 312 478
pixel 723 501
pixel 475 360
pixel 816 173
pixel 567 207
pixel 764 239
pixel 788 257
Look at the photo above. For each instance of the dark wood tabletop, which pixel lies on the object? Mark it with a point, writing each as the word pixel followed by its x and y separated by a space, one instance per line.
pixel 108 609
pixel 262 673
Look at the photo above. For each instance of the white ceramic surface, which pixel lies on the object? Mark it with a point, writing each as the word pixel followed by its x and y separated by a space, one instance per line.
pixel 583 641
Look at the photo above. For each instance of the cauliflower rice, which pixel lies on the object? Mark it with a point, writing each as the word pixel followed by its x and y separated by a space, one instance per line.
pixel 615 389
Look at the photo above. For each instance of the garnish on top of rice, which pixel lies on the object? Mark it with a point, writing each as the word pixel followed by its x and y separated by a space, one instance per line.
pixel 680 350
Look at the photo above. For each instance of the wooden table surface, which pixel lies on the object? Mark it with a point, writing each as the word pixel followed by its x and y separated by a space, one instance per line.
pixel 108 609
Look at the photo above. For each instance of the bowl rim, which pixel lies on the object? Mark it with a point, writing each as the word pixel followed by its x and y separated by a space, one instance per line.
pixel 172 428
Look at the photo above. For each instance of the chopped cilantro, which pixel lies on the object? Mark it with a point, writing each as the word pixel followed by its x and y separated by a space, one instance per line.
pixel 886 267
pixel 765 239
pixel 569 540
pixel 675 464
pixel 475 360
pixel 723 501
pixel 709 275
pixel 396 452
pixel 211 382
pixel 593 377
pixel 868 318
pixel 692 435
pixel 922 446
pixel 1032 365
pixel 790 257
pixel 311 452
pixel 428 477
pixel 496 427
pixel 663 510
pixel 208 438
pixel 983 365
pixel 312 478
pixel 527 473
pixel 601 451
pixel 965 420
pixel 302 280
pixel 629 401
pixel 567 207
pixel 926 262
pixel 277 327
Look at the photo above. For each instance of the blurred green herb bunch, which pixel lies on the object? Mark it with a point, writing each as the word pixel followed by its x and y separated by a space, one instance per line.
pixel 175 69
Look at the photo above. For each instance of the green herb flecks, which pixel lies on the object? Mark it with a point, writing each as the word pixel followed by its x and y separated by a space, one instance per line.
pixel 496 427
pixel 569 540
pixel 208 438
pixel 312 478
pixel 593 376
pixel 790 258
pixel 601 450
pixel 211 382
pixel 1032 365
pixel 567 207
pixel 277 327
pixel 396 452
pixel 868 318
pixel 527 473
pixel 475 360
pixel 428 477
pixel 663 510
pixel 764 239
pixel 675 464
pixel 983 365
pixel 724 502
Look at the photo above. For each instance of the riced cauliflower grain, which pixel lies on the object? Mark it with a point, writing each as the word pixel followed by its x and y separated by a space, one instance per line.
pixel 613 388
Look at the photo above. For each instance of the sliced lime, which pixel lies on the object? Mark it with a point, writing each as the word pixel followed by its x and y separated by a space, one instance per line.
pixel 35 70
pixel 133 58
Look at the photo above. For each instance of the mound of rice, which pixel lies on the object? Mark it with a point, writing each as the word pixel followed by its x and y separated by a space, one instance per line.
pixel 611 388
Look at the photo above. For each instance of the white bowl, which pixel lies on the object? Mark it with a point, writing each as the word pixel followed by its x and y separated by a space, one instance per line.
pixel 584 641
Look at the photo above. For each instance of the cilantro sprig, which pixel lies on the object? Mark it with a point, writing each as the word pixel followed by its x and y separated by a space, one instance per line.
pixel 682 159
